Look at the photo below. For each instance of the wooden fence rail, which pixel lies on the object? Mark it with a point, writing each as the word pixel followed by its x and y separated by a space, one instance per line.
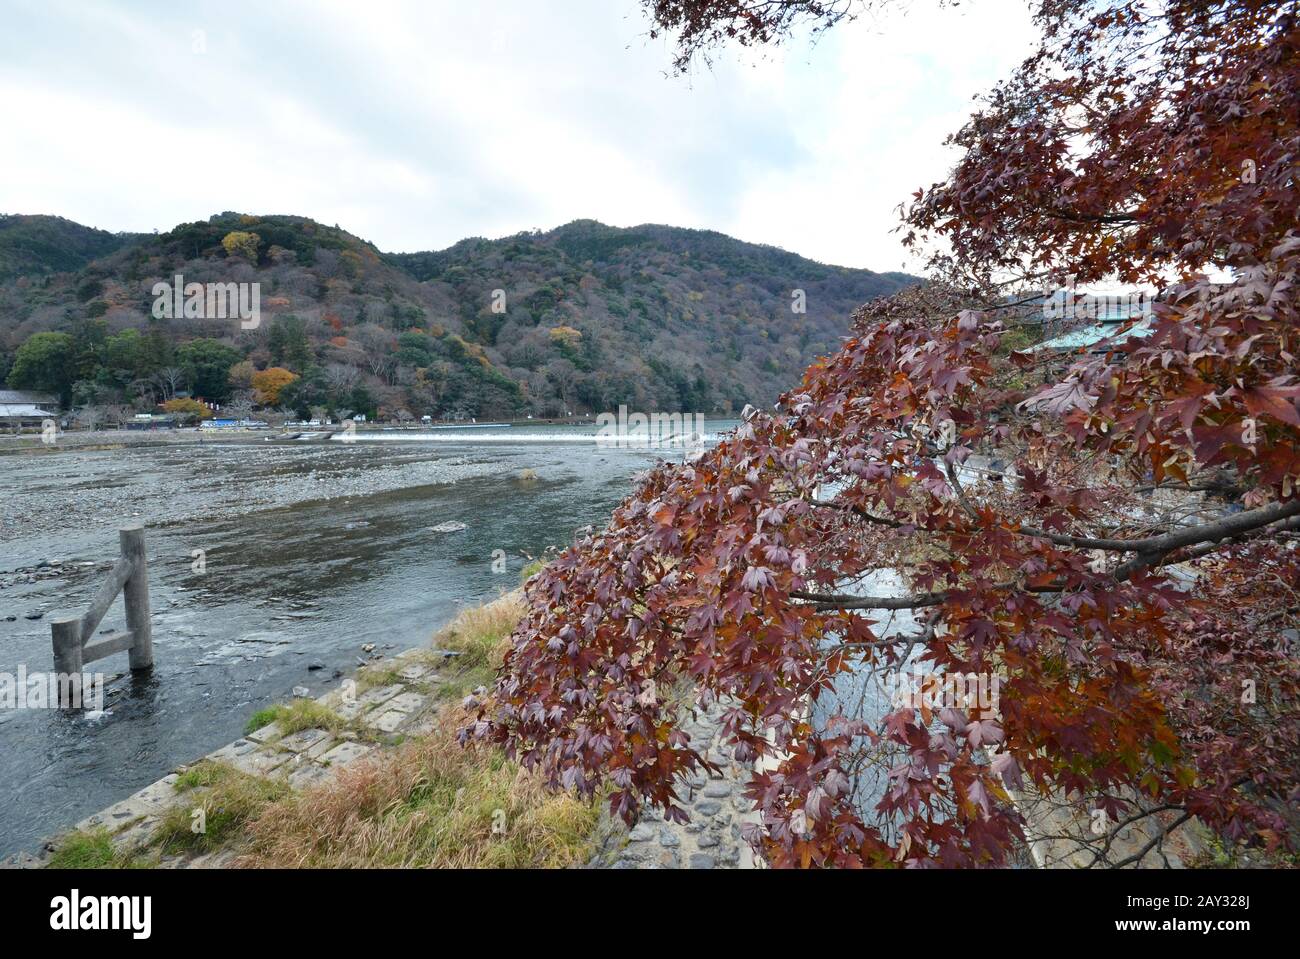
pixel 72 635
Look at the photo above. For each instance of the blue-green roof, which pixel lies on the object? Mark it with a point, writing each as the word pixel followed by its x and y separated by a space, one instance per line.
pixel 1097 337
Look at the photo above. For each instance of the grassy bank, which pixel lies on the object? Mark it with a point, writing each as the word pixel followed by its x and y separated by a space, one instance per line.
pixel 429 802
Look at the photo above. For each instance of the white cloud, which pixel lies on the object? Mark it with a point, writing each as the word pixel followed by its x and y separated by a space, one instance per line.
pixel 416 124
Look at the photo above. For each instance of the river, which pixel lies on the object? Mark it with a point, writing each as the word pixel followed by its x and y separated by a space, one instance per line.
pixel 309 552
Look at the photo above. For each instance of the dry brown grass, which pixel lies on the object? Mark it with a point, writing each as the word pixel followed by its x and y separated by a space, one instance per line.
pixel 430 803
pixel 479 633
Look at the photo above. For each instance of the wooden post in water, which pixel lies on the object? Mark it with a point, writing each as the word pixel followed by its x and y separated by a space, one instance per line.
pixel 75 644
pixel 67 660
pixel 136 595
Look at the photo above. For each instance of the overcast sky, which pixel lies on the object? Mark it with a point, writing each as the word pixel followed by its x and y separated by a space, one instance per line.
pixel 417 124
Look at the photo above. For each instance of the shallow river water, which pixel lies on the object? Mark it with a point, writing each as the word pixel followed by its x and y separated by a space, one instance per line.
pixel 310 551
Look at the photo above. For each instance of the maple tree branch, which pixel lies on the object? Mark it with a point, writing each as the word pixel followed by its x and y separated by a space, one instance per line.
pixel 1073 217
pixel 825 601
pixel 1157 839
pixel 1154 552
pixel 1278 614
pixel 1233 525
pixel 862 513
pixel 1206 536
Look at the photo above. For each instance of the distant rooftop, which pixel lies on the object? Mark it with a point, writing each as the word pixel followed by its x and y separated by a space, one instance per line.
pixel 23 411
pixel 1096 337
pixel 27 396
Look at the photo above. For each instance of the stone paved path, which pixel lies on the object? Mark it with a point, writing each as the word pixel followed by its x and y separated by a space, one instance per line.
pixel 717 807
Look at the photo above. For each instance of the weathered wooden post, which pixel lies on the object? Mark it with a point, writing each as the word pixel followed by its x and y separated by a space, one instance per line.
pixel 73 635
pixel 136 595
pixel 67 660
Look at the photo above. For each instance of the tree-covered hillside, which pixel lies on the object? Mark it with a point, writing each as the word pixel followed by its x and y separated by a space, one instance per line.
pixel 50 244
pixel 578 319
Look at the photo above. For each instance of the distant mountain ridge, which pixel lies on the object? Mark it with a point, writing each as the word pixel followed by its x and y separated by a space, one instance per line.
pixel 580 318
pixel 36 244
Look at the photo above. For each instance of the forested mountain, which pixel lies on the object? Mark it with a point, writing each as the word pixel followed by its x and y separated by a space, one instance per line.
pixel 50 244
pixel 578 319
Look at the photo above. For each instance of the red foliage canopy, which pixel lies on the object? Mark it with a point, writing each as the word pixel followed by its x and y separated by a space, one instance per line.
pixel 1124 629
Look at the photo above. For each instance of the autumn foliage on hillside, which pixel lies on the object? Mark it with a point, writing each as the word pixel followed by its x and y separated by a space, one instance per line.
pixel 580 319
pixel 1132 588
